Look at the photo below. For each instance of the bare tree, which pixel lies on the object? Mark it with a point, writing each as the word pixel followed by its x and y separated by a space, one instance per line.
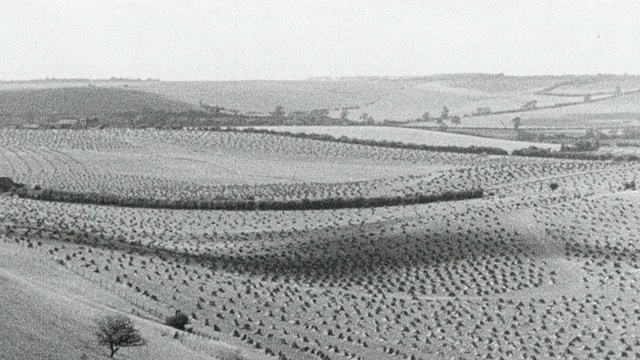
pixel 116 331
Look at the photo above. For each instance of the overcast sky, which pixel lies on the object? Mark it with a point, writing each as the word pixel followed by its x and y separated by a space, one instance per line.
pixel 282 39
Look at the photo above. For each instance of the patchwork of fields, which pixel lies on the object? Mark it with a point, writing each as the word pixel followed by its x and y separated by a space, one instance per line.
pixel 543 266
pixel 396 99
pixel 524 272
pixel 205 165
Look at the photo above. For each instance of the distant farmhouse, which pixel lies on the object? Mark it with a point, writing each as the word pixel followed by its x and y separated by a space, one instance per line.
pixel 67 123
pixel 482 111
pixel 531 105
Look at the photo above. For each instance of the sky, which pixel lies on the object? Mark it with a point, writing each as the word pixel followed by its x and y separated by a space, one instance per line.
pixel 288 40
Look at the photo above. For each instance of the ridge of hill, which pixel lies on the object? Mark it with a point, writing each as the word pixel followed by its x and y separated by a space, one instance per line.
pixel 84 101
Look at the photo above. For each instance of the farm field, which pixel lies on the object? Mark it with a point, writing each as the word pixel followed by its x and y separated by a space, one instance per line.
pixel 619 111
pixel 212 165
pixel 84 101
pixel 232 166
pixel 395 99
pixel 425 282
pixel 599 85
pixel 409 136
pixel 526 271
pixel 47 304
pixel 402 99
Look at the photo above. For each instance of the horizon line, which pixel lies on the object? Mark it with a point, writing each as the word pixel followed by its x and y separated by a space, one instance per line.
pixel 311 78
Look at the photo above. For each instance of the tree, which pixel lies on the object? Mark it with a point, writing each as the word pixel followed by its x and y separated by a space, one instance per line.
pixel 278 112
pixel 445 113
pixel 425 117
pixel 117 331
pixel 371 120
pixel 456 120
pixel 554 186
pixel 344 114
pixel 366 119
pixel 517 122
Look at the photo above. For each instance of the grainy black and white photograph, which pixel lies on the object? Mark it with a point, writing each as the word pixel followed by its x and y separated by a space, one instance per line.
pixel 319 180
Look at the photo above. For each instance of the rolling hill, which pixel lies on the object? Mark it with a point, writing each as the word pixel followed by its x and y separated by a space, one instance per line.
pixel 616 111
pixel 48 313
pixel 381 98
pixel 84 101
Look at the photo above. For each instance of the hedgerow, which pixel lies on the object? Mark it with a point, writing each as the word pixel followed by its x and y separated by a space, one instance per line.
pixel 546 153
pixel 379 143
pixel 250 204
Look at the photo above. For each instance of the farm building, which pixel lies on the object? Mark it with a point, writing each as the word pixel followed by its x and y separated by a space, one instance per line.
pixel 66 123
pixel 482 111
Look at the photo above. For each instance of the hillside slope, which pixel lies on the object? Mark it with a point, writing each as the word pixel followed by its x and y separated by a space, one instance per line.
pixel 382 98
pixel 47 313
pixel 84 101
pixel 616 111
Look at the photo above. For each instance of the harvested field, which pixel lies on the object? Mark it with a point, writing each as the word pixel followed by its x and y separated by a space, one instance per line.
pixel 616 111
pixel 396 99
pixel 524 272
pixel 201 165
pixel 409 136
pixel 370 283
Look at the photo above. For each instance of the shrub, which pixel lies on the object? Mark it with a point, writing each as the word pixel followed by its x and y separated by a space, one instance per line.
pixel 177 321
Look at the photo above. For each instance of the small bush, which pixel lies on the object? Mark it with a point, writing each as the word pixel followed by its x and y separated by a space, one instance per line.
pixel 177 321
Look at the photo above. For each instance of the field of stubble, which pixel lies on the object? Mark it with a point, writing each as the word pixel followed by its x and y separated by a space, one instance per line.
pixel 525 272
